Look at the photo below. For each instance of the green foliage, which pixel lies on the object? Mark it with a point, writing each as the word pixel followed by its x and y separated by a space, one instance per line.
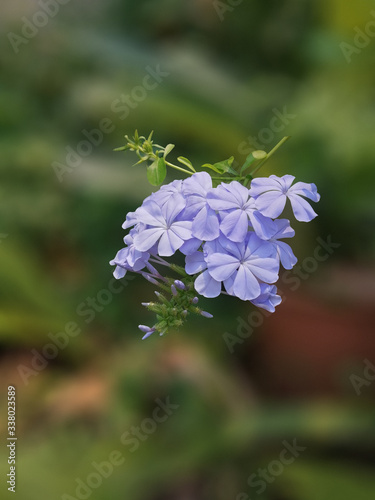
pixel 156 172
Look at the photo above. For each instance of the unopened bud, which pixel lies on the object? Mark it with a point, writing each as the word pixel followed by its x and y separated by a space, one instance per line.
pixel 179 284
pixel 144 328
pixel 206 314
pixel 150 279
pixel 148 334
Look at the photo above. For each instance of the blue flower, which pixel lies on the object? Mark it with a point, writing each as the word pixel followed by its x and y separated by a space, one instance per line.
pixel 163 226
pixel 205 221
pixel 233 199
pixel 129 258
pixel 271 193
pixel 284 252
pixel 268 298
pixel 242 266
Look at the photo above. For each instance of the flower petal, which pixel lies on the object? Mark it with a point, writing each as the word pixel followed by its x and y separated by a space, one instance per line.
pixel 304 189
pixel 271 204
pixel 175 204
pixel 264 268
pixel 195 263
pixel 302 210
pixel 169 243
pixel 206 225
pixel 190 246
pixel 147 238
pixel 221 265
pixel 245 286
pixel 182 229
pixel 150 213
pixel 207 286
pixel 263 226
pixel 235 225
pixel 287 257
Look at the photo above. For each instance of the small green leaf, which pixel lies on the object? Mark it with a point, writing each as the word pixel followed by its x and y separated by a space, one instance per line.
pixel 168 149
pixel 222 167
pixel 186 162
pixel 123 148
pixel 156 172
pixel 212 167
pixel 142 159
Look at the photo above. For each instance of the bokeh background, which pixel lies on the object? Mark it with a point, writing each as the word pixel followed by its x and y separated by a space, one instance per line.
pixel 301 375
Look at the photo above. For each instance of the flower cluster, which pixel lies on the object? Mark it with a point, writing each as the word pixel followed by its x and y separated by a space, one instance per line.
pixel 231 237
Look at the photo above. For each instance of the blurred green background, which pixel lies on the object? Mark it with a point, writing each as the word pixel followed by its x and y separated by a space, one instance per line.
pixel 301 375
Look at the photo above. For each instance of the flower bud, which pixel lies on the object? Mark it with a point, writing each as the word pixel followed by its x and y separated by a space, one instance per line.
pixel 179 284
pixel 206 314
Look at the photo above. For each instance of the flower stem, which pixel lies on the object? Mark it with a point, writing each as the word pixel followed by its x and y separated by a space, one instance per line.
pixel 178 168
pixel 284 139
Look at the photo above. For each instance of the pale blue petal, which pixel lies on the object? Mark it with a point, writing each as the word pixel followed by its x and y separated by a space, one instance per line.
pixel 150 213
pixel 182 229
pixel 198 184
pixel 303 189
pixel 173 207
pixel 169 243
pixel 190 246
pixel 245 286
pixel 119 272
pixel 268 299
pixel 263 226
pixel 271 204
pixel 207 286
pixel 284 230
pixel 240 192
pixel 264 268
pixel 261 185
pixel 287 257
pixel 195 263
pixel 206 225
pixel 147 238
pixel 235 225
pixel 131 220
pixel 302 210
pixel 221 265
pixel 221 199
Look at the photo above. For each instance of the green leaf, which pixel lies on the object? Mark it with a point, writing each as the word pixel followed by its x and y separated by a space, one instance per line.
pixel 156 172
pixel 142 159
pixel 222 167
pixel 212 167
pixel 168 149
pixel 186 162
pixel 123 148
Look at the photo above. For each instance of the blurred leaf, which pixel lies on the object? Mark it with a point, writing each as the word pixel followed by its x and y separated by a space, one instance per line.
pixel 330 480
